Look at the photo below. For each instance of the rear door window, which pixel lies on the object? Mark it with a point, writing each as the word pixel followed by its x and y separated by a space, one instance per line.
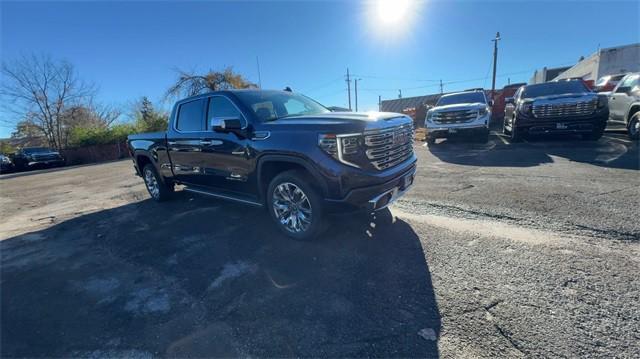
pixel 191 116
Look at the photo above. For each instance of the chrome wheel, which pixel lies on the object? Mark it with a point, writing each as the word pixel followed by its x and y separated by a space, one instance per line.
pixel 292 207
pixel 152 183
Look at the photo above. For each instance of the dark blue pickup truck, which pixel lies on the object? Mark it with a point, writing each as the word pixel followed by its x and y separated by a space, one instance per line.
pixel 282 151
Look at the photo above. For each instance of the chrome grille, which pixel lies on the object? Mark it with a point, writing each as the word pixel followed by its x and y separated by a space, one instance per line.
pixel 565 109
pixel 460 116
pixel 389 147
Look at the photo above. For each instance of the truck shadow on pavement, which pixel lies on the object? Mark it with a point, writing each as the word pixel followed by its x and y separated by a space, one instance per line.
pixel 613 150
pixel 196 277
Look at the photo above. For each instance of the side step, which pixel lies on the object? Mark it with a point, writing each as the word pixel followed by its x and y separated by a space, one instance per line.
pixel 226 196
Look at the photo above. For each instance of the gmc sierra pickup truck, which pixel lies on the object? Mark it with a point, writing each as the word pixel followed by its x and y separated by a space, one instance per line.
pixel 556 107
pixel 461 113
pixel 282 151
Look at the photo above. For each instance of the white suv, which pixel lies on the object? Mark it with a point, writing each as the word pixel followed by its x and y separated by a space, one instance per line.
pixel 460 113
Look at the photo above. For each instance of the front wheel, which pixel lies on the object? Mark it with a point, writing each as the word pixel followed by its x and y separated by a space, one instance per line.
pixel 295 206
pixel 633 129
pixel 595 134
pixel 156 187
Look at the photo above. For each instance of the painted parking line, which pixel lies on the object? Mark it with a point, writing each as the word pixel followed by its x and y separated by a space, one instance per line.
pixel 619 139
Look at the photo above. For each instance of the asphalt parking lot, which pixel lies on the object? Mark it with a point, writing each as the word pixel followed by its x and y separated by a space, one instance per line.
pixel 499 250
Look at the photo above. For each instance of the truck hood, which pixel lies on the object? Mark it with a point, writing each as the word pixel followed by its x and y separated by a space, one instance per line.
pixel 460 107
pixel 359 121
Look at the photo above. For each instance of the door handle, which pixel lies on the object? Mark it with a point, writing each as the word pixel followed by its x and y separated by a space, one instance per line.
pixel 171 143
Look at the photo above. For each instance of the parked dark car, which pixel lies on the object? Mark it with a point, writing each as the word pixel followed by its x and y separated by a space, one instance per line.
pixel 282 151
pixel 624 104
pixel 37 157
pixel 556 107
pixel 6 165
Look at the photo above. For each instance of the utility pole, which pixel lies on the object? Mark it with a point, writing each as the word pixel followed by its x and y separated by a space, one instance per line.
pixel 259 77
pixel 399 93
pixel 379 103
pixel 495 61
pixel 355 82
pixel 441 91
pixel 349 88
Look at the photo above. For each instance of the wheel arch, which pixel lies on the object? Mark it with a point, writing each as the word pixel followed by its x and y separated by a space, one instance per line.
pixel 635 107
pixel 270 166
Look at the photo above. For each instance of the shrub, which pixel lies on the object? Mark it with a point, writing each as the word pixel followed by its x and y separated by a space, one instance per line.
pixel 81 137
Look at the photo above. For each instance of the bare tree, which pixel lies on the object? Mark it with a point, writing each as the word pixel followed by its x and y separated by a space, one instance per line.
pixel 190 83
pixel 40 90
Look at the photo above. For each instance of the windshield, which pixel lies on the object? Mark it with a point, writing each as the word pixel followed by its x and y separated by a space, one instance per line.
pixel 272 105
pixel 36 150
pixel 554 88
pixel 465 97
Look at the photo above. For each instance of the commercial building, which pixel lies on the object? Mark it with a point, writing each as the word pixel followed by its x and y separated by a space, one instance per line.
pixel 608 61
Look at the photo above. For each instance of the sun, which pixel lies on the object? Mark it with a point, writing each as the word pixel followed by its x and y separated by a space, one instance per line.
pixel 391 12
pixel 392 20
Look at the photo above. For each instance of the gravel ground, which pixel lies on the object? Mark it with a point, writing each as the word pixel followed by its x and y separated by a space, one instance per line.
pixel 523 250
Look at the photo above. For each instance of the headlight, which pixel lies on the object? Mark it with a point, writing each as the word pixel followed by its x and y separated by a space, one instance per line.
pixel 340 147
pixel 483 111
pixel 5 159
pixel 602 101
pixel 429 116
pixel 526 108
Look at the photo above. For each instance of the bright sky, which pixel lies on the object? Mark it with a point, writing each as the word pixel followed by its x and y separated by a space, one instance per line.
pixel 130 49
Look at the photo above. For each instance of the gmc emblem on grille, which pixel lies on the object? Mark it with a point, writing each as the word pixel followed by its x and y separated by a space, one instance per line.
pixel 399 138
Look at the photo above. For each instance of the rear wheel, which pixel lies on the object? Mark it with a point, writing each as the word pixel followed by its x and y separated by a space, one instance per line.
pixel 158 190
pixel 633 129
pixel 295 206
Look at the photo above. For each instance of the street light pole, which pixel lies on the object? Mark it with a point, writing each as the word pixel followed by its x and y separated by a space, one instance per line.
pixel 355 82
pixel 495 61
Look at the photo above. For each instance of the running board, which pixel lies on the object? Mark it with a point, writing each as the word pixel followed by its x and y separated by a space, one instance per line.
pixel 228 197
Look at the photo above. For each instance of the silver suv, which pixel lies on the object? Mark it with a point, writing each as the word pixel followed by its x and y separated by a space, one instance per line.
pixel 460 113
pixel 624 104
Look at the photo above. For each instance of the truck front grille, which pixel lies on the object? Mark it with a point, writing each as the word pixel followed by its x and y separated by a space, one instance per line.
pixel 460 116
pixel 389 147
pixel 581 108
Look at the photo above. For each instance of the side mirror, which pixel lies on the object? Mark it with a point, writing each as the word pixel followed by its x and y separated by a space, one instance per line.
pixel 510 100
pixel 227 124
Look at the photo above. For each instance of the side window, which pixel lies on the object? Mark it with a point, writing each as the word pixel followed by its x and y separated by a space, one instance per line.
pixel 626 82
pixel 221 107
pixel 191 116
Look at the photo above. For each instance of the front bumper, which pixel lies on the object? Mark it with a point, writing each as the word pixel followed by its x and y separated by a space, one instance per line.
pixel 56 162
pixel 443 132
pixel 563 125
pixel 376 197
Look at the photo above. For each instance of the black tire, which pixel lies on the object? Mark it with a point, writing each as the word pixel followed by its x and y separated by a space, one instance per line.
pixel 515 135
pixel 483 137
pixel 158 190
pixel 633 128
pixel 595 134
pixel 312 209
